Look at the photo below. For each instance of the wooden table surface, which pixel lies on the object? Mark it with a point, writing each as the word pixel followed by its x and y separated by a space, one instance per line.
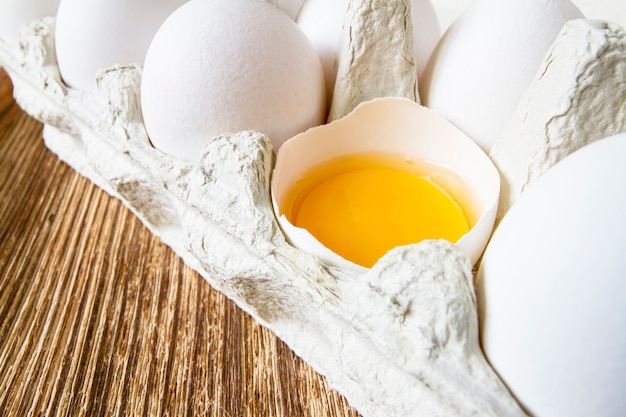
pixel 98 317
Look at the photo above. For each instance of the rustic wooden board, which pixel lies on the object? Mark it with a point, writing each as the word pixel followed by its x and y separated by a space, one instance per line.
pixel 98 317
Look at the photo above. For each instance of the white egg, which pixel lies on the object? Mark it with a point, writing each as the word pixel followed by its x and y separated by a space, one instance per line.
pixel 426 32
pixel 551 288
pixel 487 58
pixel 17 13
pixel 97 34
pixel 223 66
pixel 324 36
pixel 322 22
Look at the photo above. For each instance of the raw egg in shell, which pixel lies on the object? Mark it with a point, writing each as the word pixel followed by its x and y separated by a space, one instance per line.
pixel 390 173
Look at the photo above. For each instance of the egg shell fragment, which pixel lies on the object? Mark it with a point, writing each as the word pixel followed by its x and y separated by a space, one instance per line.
pixel 551 288
pixel 487 58
pixel 217 67
pixel 401 127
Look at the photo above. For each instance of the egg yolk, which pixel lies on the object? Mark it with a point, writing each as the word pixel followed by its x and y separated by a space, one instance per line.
pixel 361 206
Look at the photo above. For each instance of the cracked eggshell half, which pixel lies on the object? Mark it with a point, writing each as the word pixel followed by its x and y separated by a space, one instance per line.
pixel 224 66
pixel 395 126
pixel 487 58
pixel 551 287
pixel 17 13
pixel 93 35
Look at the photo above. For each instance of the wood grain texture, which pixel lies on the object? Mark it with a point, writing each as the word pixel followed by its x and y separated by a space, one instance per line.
pixel 99 318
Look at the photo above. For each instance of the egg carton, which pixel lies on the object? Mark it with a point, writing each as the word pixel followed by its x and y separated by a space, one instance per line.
pixel 398 340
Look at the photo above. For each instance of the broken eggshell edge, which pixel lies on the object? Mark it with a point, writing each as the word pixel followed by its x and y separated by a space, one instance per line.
pixel 401 127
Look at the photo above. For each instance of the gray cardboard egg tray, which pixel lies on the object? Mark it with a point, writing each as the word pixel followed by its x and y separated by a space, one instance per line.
pixel 398 340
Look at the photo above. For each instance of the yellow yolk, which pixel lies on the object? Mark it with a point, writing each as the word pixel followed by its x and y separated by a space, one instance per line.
pixel 362 206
